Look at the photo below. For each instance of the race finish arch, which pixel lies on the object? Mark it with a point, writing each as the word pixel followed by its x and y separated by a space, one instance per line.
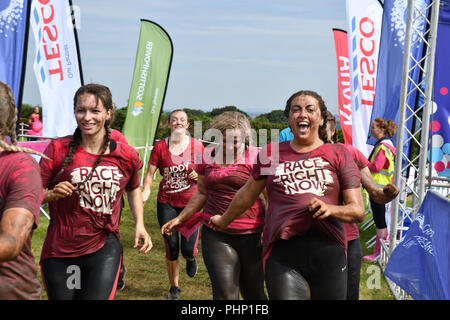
pixel 414 173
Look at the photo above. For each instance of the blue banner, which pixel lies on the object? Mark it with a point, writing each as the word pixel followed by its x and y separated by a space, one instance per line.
pixel 390 62
pixel 420 263
pixel 440 145
pixel 13 25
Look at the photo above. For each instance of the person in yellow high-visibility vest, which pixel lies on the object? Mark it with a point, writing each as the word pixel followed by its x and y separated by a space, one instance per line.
pixel 382 168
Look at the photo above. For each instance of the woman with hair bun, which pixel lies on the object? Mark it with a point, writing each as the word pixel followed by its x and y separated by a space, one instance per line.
pixel 20 198
pixel 84 183
pixel 382 168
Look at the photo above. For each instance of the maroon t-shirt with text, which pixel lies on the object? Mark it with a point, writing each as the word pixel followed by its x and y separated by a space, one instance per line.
pixel 222 184
pixel 293 179
pixel 20 187
pixel 175 187
pixel 80 223
pixel 351 229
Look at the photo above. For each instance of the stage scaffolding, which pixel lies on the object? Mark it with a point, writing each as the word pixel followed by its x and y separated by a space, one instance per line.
pixel 413 174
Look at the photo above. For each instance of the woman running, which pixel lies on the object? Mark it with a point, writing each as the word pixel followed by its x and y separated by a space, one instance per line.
pixel 84 185
pixel 175 157
pixel 304 239
pixel 233 256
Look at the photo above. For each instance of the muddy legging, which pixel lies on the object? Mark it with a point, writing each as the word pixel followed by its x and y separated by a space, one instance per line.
pixel 89 277
pixel 306 267
pixel 166 213
pixel 234 263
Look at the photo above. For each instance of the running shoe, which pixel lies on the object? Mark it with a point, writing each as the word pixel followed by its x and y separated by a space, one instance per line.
pixel 191 267
pixel 174 293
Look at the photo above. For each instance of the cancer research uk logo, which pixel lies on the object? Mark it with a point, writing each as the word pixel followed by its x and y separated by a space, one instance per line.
pixel 10 15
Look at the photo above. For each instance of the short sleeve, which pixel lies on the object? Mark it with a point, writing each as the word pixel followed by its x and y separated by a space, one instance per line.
pixel 348 172
pixel 25 189
pixel 134 181
pixel 155 154
pixel 360 160
pixel 48 166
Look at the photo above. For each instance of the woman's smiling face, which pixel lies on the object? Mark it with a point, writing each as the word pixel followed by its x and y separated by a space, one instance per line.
pixel 91 114
pixel 305 119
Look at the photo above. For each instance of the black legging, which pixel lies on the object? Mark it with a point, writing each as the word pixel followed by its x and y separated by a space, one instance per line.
pixel 89 277
pixel 234 263
pixel 165 213
pixel 306 267
pixel 354 255
pixel 379 214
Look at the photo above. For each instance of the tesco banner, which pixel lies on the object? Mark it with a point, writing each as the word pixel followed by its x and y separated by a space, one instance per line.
pixel 56 64
pixel 364 18
pixel 344 92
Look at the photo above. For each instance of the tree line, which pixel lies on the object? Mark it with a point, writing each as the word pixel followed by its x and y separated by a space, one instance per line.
pixel 274 119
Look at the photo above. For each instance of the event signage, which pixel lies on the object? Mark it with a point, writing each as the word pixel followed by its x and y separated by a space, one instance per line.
pixel 13 35
pixel 344 91
pixel 441 107
pixel 56 64
pixel 150 78
pixel 364 19
pixel 419 264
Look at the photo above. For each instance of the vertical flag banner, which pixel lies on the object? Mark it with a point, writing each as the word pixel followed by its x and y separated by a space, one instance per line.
pixel 441 106
pixel 150 78
pixel 56 64
pixel 344 91
pixel 13 43
pixel 420 263
pixel 390 63
pixel 364 18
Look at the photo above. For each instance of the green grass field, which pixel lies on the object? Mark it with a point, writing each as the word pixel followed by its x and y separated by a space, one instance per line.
pixel 147 279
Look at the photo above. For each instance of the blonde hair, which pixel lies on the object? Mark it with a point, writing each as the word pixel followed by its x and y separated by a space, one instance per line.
pixel 8 119
pixel 230 120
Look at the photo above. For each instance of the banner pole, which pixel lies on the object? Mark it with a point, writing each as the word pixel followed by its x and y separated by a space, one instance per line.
pixel 24 64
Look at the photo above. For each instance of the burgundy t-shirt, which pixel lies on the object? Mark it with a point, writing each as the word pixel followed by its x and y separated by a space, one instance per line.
pixel 223 182
pixel 79 223
pixel 20 187
pixel 293 179
pixel 175 187
pixel 351 229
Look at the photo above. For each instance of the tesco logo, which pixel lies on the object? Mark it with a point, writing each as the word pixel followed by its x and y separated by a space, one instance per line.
pixel 364 54
pixel 367 64
pixel 49 39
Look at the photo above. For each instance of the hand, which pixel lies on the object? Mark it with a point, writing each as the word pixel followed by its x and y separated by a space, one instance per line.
pixel 145 195
pixel 169 226
pixel 216 223
pixel 193 175
pixel 141 234
pixel 62 190
pixel 390 192
pixel 319 208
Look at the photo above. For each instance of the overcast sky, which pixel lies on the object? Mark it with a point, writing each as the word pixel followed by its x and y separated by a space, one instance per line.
pixel 252 54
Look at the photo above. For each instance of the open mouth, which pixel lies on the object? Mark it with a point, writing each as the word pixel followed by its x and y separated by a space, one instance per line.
pixel 303 127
